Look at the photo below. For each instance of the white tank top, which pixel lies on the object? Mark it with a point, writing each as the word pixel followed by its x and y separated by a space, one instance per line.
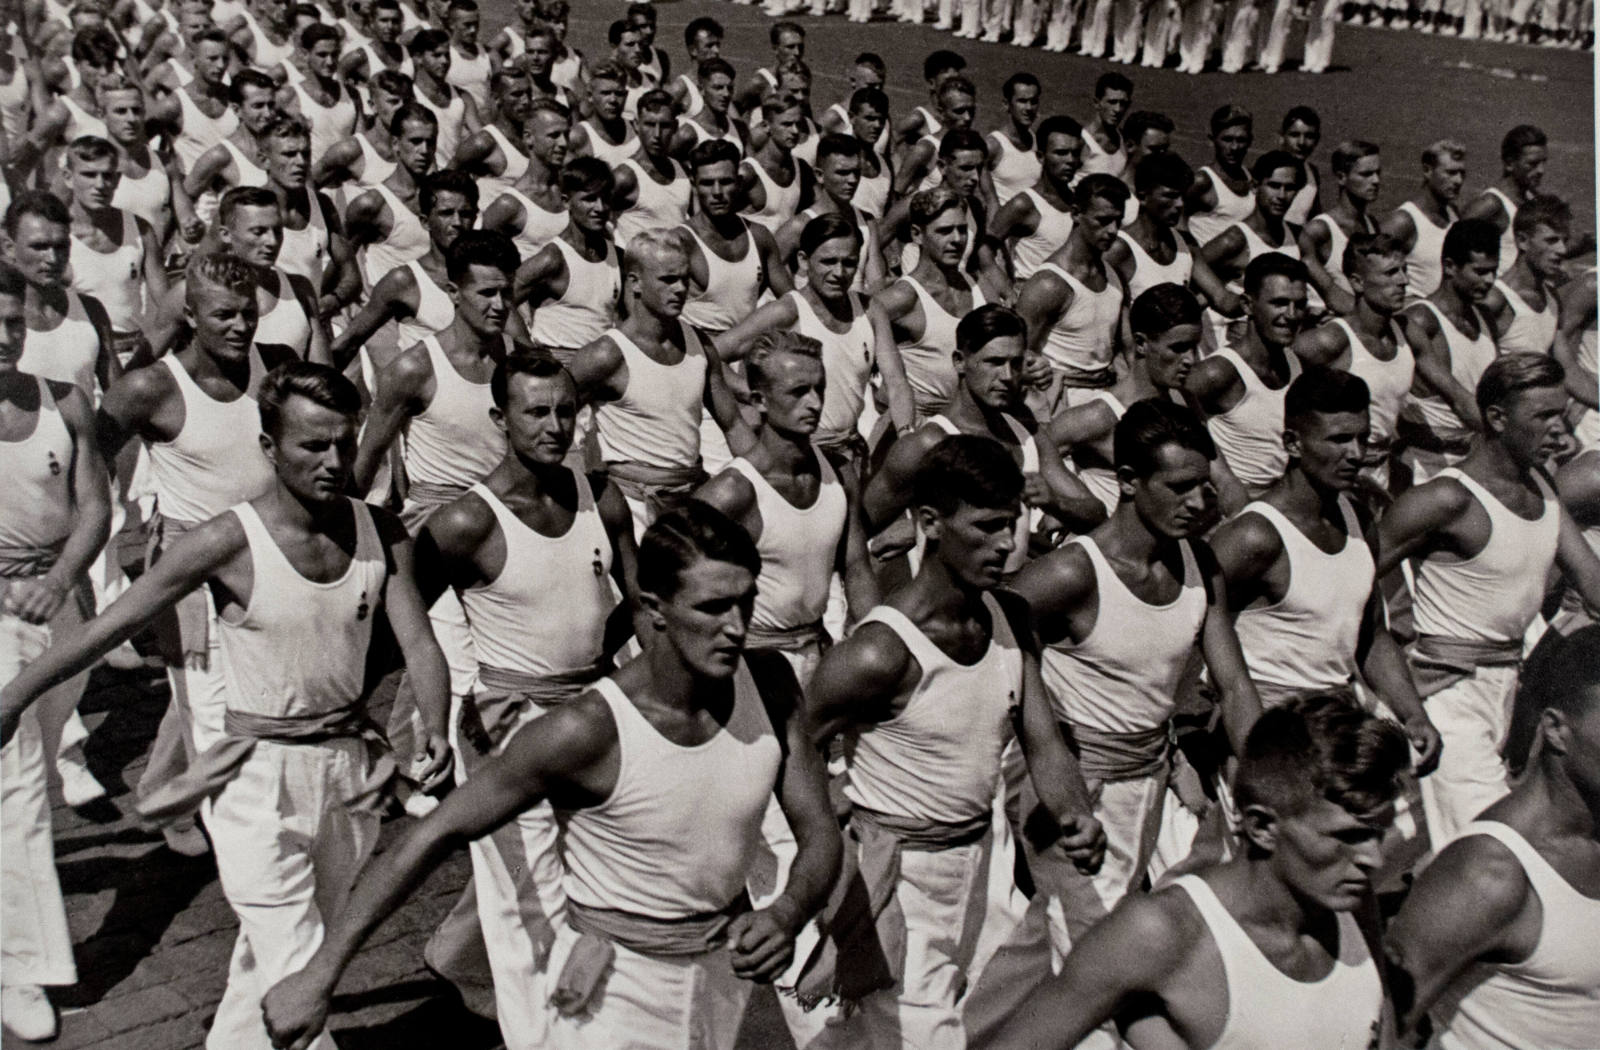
pixel 470 74
pixel 1029 453
pixel 408 239
pixel 267 53
pixel 589 305
pixel 938 759
pixel 1307 640
pixel 798 549
pixel 1256 246
pixel 806 148
pixel 491 187
pixel 452 443
pixel 911 254
pixel 67 353
pixel 1508 236
pixel 731 290
pixel 116 278
pixel 1100 479
pixel 693 102
pixel 149 195
pixel 1096 161
pixel 1494 595
pixel 376 63
pixel 215 460
pixel 872 195
pixel 451 117
pixel 1469 359
pixel 329 124
pixel 284 322
pixel 300 648
pixel 80 121
pixel 930 367
pixel 847 359
pixel 539 227
pixel 730 136
pixel 306 251
pixel 1424 263
pixel 676 835
pixel 567 70
pixel 1530 331
pixel 14 104
pixel 434 313
pixel 781 201
pixel 200 132
pixel 1268 1010
pixel 1147 273
pixel 1124 677
pixel 545 613
pixel 656 207
pixel 934 177
pixel 1030 252
pixel 36 507
pixel 1250 434
pixel 1299 211
pixel 1388 382
pixel 1015 170
pixel 1337 241
pixel 1231 207
pixel 656 421
pixel 374 167
pixel 250 173
pixel 612 154
pixel 1551 998
pixel 1081 340
pixel 931 125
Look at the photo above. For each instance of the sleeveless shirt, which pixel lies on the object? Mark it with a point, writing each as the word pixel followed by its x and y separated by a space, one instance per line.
pixel 930 368
pixel 67 353
pixel 452 443
pixel 1424 263
pixel 1029 252
pixel 215 460
pixel 1147 273
pixel 1079 344
pixel 732 287
pixel 1388 382
pixel 1469 359
pixel 1530 331
pixel 656 421
pixel 1250 434
pixel 589 305
pixel 434 313
pixel 798 548
pixel 116 278
pixel 1231 208
pixel 1015 171
pixel 847 359
pixel 656 207
pixel 36 506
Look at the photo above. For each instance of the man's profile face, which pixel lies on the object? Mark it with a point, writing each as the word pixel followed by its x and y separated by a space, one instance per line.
pixel 313 451
pixel 223 319
pixel 973 543
pixel 1176 499
pixel 40 249
pixel 1532 424
pixel 255 234
pixel 706 619
pixel 1328 855
pixel 1331 447
pixel 13 332
pixel 993 373
pixel 483 299
pixel 1170 356
pixel 1232 143
pixel 792 395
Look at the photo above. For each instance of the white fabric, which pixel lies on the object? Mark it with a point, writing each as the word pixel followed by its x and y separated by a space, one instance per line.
pixel 539 225
pixel 1082 338
pixel 1031 250
pixel 115 278
pixel 731 289
pixel 1250 434
pixel 67 353
pixel 452 121
pixel 1231 208
pixel 656 421
pixel 408 238
pixel 1015 170
pixel 1530 331
pixel 1424 263
pixel 1469 358
pixel 930 368
pixel 779 202
pixel 215 461
pixel 847 360
pixel 1473 717
pixel 587 307
pixel 1147 273
pixel 452 443
pixel 200 131
pixel 612 153
pixel 656 207
pixel 1508 236
pixel 306 251
pixel 329 124
pixel 1388 382
pixel 434 313
pixel 798 547
pixel 490 187
pixel 285 322
pixel 36 507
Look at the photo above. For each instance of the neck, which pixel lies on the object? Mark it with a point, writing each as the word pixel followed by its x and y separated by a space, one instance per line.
pixel 529 477
pixel 1273 903
pixel 1562 809
pixel 540 174
pixel 1299 492
pixel 403 181
pixel 203 363
pixel 673 682
pixel 80 211
pixel 1368 321
pixel 939 592
pixel 1259 347
pixel 784 451
pixel 1141 383
pixel 1126 535
pixel 1272 224
pixel 470 340
pixel 1356 209
pixel 1498 459
pixel 644 326
pixel 965 408
pixel 729 225
pixel 312 516
pixel 1080 251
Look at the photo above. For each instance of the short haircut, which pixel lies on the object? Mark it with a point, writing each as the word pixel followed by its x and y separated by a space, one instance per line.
pixel 964 468
pixel 550 106
pixel 775 34
pixel 1272 264
pixel 12 283
pixel 1517 139
pixel 87 148
pixel 428 40
pixel 1346 153
pixel 654 101
pixel 1225 117
pixel 873 61
pixel 210 35
pixel 642 9
pixel 245 197
pixel 448 180
pixel 116 82
pixel 1437 151
pixel 831 226
pixel 648 244
pixel 942 61
pixel 581 174
pixel 250 78
pixel 1561 673
pixel 834 144
pixel 712 151
pixel 1468 237
pixel 316 33
pixel 768 345
pixel 1059 124
pixel 1325 391
pixel 1150 425
pixel 618 29
pixel 1143 120
pixel 691 533
pixel 412 112
pixel 519 361
pixel 957 85
pixel 1276 160
pixel 1321 746
pixel 464 6
pixel 927 205
pixel 1112 81
pixel 777 103
pixel 393 82
pixel 861 98
pixel 45 205
pixel 488 248
pixel 95 46
pixel 288 126
pixel 1099 186
pixel 318 384
pixel 1544 210
pixel 1509 375
pixel 1162 169
pixel 1016 80
pixel 1363 246
pixel 696 26
pixel 984 325
pixel 712 67
pixel 1300 115
pixel 607 70
pixel 1163 307
pixel 792 67
pixel 386 5
pixel 222 269
pixel 961 140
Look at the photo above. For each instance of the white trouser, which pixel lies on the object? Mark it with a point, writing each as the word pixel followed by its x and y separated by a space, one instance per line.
pixel 1161 29
pixel 1064 16
pixel 1027 19
pixel 1199 26
pixel 193 719
pixel 648 1003
pixel 288 851
pixel 997 17
pixel 1320 27
pixel 1096 26
pixel 449 622
pixel 1472 717
pixel 1276 38
pixel 1239 45
pixel 1127 28
pixel 37 948
pixel 964 20
pixel 60 728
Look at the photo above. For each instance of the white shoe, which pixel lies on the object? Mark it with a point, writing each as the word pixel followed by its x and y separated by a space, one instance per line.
pixel 186 840
pixel 992 37
pixel 28 1013
pixel 78 785
pixel 943 26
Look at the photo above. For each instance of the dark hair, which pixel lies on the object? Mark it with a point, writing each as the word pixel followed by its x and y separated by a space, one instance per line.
pixel 449 180
pixel 606 70
pixel 316 33
pixel 961 140
pixel 654 101
pixel 986 324
pixel 1112 81
pixel 1321 746
pixel 942 61
pixel 1162 169
pixel 1325 391
pixel 767 345
pixel 977 471
pixel 489 248
pixel 1142 120
pixel 1099 186
pixel 1510 374
pixel 539 363
pixel 792 67
pixel 1275 159
pixel 12 282
pixel 957 85
pixel 1272 264
pixel 550 106
pixel 587 173
pixel 394 82
pixel 1518 139
pixel 1300 115
pixel 428 40
pixel 1363 246
pixel 1561 674
pixel 210 35
pixel 869 96
pixel 779 28
pixel 36 202
pixel 1149 425
pixel 1543 210
pixel 1016 80
pixel 641 9
pixel 779 102
pixel 1163 307
pixel 830 226
pixel 412 112
pixel 700 25
pixel 245 197
pixel 1224 117
pixel 467 6
pixel 1346 153
pixel 91 148
pixel 873 61
pixel 693 532
pixel 250 78
pixel 927 205
pixel 318 384
pixel 1057 124
pixel 288 126
pixel 223 269
pixel 95 46
pixel 1468 237
pixel 712 151
pixel 834 144
pixel 712 66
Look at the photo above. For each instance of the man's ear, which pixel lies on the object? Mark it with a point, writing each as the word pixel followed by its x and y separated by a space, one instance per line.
pixel 929 522
pixel 650 603
pixel 498 416
pixel 1291 443
pixel 1259 826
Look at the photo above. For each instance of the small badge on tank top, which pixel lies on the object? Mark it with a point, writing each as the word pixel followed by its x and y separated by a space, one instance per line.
pixel 598 564
pixel 363 608
pixel 55 464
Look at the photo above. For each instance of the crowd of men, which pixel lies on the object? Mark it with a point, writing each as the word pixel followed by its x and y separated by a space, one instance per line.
pixel 1006 589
